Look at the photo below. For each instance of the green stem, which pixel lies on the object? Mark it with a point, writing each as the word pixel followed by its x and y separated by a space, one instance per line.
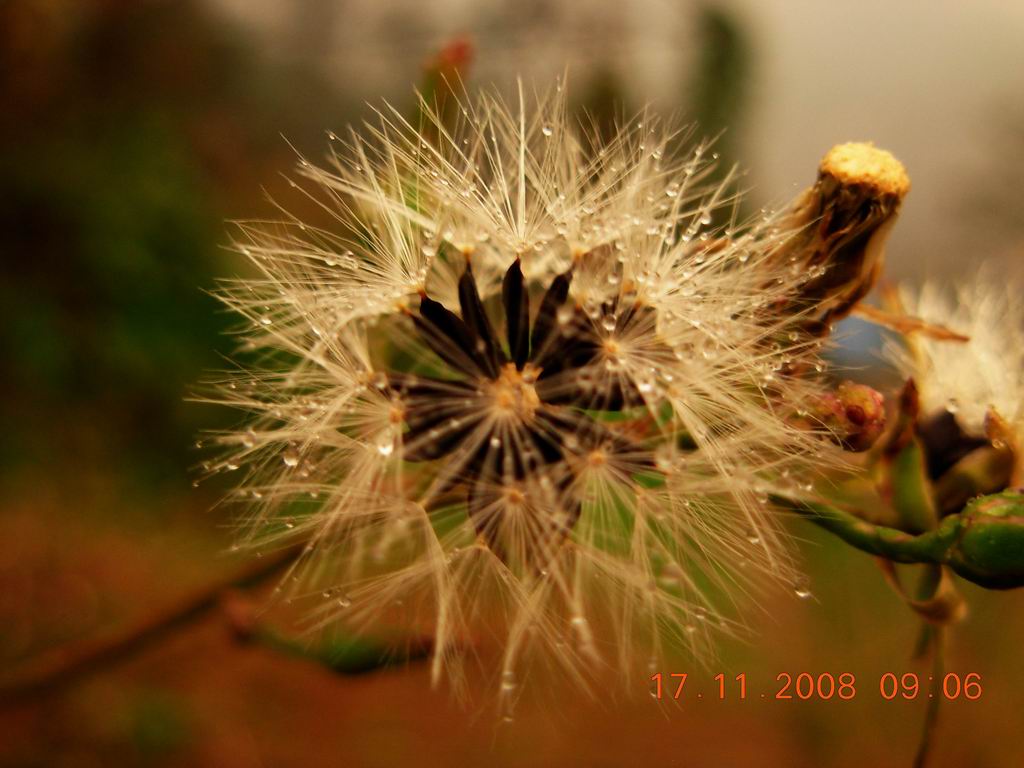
pixel 991 556
pixel 891 543
pixel 926 589
pixel 931 715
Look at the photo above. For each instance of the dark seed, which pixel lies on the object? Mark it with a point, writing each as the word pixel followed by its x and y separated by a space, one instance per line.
pixel 452 340
pixel 475 317
pixel 546 320
pixel 517 314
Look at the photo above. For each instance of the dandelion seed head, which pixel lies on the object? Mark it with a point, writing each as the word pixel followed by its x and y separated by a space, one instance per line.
pixel 967 378
pixel 522 387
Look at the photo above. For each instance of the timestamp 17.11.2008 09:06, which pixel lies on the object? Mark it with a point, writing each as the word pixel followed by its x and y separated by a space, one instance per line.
pixel 826 686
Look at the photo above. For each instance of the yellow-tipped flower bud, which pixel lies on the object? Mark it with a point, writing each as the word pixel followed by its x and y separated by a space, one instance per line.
pixel 847 216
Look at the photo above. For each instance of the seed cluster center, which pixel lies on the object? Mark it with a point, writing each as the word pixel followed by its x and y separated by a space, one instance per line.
pixel 514 392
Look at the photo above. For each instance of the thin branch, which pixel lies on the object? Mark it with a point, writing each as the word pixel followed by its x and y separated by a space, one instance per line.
pixel 58 668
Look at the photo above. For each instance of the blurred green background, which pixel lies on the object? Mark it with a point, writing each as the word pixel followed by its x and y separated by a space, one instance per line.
pixel 131 131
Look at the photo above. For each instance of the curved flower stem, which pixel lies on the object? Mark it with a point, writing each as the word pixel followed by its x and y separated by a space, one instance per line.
pixel 891 543
pixel 57 668
pixel 997 562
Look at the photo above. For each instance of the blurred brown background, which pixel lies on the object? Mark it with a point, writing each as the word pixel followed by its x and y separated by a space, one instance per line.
pixel 129 133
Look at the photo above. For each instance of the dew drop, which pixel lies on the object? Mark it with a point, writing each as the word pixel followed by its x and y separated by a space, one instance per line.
pixel 802 590
pixel 386 447
pixel 508 681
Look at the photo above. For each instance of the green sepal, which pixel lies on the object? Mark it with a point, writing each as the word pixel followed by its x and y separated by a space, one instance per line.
pixel 909 490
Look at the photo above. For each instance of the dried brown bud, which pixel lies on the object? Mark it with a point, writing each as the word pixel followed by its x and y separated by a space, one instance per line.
pixel 846 217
